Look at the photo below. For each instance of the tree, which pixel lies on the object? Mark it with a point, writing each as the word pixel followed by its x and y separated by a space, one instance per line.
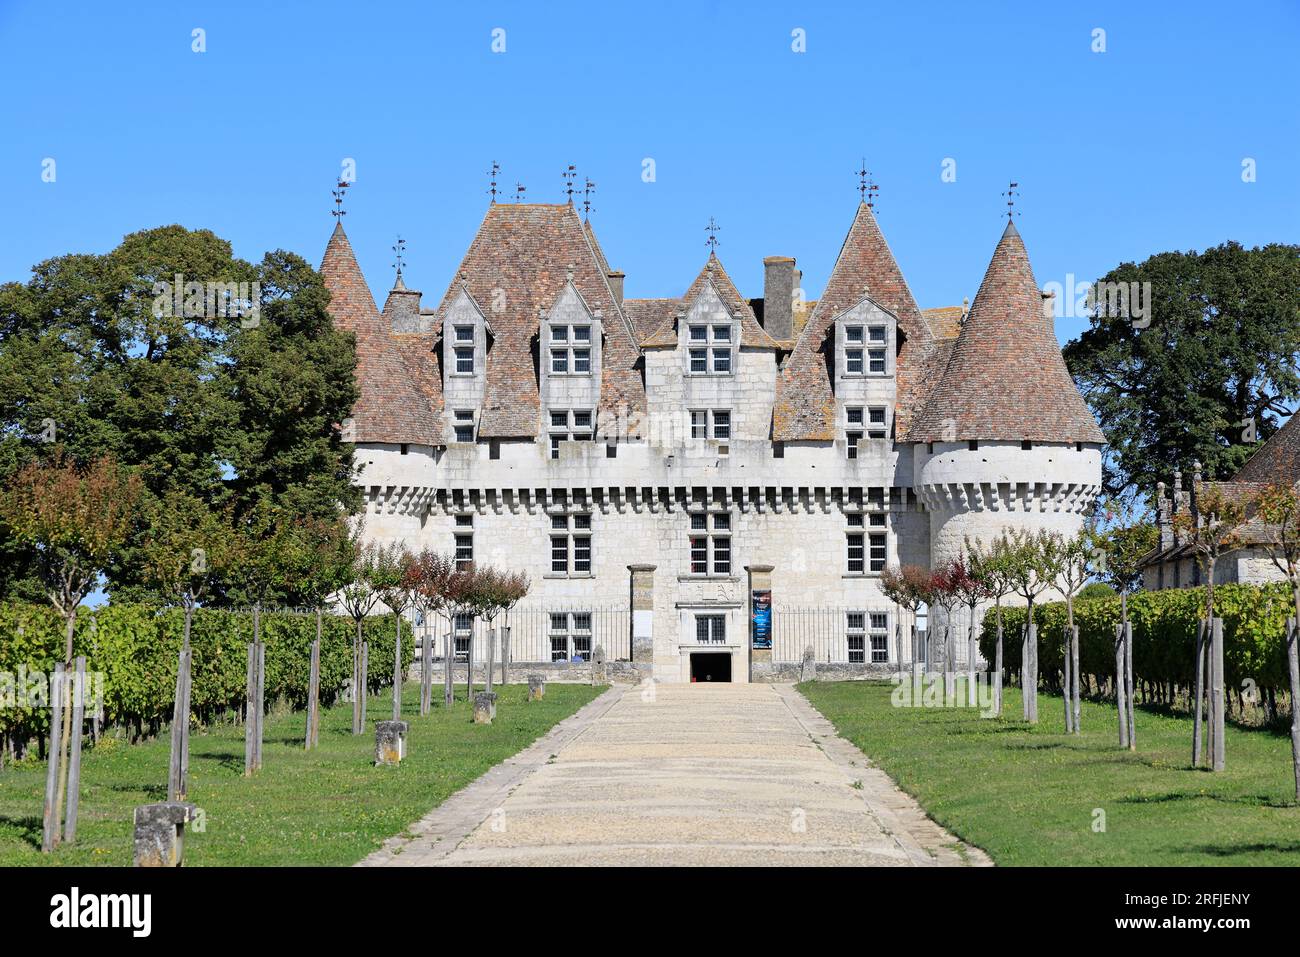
pixel 427 577
pixel 1209 373
pixel 908 587
pixel 1279 508
pixel 1030 557
pixel 74 520
pixel 498 591
pixel 944 596
pixel 358 597
pixel 232 402
pixel 1122 547
pixel 1068 562
pixel 395 587
pixel 1213 529
pixel 971 586
pixel 991 564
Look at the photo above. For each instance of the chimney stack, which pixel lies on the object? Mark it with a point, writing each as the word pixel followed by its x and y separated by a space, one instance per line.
pixel 616 285
pixel 402 310
pixel 778 297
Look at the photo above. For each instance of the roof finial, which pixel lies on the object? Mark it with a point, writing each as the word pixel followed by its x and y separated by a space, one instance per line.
pixel 1011 194
pixel 520 188
pixel 712 241
pixel 492 181
pixel 867 187
pixel 569 175
pixel 340 194
pixel 399 251
pixel 588 188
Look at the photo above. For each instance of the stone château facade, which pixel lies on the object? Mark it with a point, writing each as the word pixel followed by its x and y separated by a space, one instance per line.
pixel 680 457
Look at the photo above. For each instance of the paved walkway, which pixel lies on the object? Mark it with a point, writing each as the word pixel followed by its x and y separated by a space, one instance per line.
pixel 683 775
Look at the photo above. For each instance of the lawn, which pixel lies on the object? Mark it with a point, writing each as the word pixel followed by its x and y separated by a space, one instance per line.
pixel 1033 795
pixel 329 806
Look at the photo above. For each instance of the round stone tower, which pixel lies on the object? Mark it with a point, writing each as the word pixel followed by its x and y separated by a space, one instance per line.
pixel 1004 439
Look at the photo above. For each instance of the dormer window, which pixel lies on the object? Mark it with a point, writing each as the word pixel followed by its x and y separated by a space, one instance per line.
pixel 710 349
pixel 866 350
pixel 570 350
pixel 465 360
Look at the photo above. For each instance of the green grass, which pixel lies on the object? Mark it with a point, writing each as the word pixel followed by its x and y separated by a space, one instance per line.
pixel 1027 795
pixel 328 806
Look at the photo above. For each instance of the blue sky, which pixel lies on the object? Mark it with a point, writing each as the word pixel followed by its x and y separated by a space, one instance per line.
pixel 1118 154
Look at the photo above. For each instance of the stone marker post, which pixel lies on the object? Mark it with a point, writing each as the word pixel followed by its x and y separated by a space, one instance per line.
pixel 536 688
pixel 485 707
pixel 390 742
pixel 808 671
pixel 160 833
pixel 599 669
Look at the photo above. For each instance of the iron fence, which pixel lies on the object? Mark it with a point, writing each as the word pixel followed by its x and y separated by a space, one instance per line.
pixel 538 634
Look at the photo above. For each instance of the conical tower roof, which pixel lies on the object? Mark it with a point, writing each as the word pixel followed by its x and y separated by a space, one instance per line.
pixel 1006 380
pixel 805 402
pixel 392 407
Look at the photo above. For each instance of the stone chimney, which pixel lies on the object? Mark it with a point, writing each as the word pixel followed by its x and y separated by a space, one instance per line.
pixel 402 310
pixel 778 296
pixel 616 285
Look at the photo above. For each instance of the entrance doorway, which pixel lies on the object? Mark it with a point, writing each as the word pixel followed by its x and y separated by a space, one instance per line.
pixel 711 666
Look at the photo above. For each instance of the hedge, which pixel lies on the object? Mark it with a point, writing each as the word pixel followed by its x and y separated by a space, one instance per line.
pixel 1164 634
pixel 136 647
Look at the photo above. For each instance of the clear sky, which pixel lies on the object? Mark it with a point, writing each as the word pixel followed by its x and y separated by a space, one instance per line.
pixel 1119 154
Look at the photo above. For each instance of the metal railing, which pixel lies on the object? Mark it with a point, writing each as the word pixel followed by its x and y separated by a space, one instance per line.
pixel 571 632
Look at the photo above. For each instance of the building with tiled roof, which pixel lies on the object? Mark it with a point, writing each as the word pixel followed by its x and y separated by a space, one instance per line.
pixel 682 461
pixel 1173 562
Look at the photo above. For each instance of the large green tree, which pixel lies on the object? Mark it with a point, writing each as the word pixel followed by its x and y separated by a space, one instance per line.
pixel 235 409
pixel 1214 366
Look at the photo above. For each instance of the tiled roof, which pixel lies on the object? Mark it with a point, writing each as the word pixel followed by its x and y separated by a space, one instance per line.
pixel 944 322
pixel 1277 461
pixel 648 315
pixel 805 400
pixel 517 267
pixel 752 335
pixel 1006 379
pixel 392 407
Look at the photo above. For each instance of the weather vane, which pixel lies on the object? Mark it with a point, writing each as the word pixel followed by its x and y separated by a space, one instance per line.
pixel 712 230
pixel 862 175
pixel 399 251
pixel 339 195
pixel 520 188
pixel 1011 194
pixel 587 189
pixel 492 181
pixel 570 175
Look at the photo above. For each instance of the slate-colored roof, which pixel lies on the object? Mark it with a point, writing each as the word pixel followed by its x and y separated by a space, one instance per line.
pixel 805 400
pixel 392 407
pixel 1277 461
pixel 525 251
pixel 752 335
pixel 1006 379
